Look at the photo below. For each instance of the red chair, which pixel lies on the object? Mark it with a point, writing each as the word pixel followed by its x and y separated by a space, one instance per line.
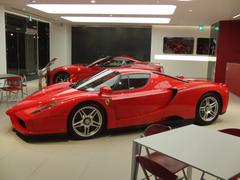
pixel 236 177
pixel 12 85
pixel 231 131
pixel 234 132
pixel 154 129
pixel 155 169
pixel 169 163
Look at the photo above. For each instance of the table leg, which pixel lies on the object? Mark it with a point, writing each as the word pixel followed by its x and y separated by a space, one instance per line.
pixel 189 173
pixel 134 168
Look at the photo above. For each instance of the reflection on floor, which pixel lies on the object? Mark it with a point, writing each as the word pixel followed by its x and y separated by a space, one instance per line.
pixel 58 158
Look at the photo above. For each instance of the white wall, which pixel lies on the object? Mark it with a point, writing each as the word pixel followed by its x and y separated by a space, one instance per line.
pixel 3 61
pixel 193 69
pixel 60 43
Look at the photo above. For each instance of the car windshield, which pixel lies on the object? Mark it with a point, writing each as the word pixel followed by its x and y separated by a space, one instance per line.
pixel 111 62
pixel 114 63
pixel 99 62
pixel 107 77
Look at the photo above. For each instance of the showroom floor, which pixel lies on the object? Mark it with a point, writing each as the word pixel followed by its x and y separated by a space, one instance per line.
pixel 58 158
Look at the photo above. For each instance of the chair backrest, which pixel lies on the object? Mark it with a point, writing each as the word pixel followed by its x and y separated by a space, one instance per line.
pixel 154 129
pixel 236 177
pixel 231 131
pixel 155 168
pixel 14 82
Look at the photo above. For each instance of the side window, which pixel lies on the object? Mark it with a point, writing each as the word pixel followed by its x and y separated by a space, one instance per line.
pixel 122 84
pixel 138 80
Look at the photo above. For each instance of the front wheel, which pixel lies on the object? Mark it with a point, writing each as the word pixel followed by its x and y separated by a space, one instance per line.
pixel 208 109
pixel 86 121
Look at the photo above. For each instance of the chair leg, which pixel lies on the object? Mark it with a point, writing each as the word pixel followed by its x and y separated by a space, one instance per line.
pixel 7 94
pixel 26 91
pixel 2 95
pixel 145 173
pixel 22 93
pixel 184 174
pixel 202 176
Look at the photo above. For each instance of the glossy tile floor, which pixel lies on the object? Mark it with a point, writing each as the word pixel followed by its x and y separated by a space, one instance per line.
pixel 58 158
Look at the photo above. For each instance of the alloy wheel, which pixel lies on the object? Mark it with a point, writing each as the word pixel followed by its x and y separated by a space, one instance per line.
pixel 208 109
pixel 87 121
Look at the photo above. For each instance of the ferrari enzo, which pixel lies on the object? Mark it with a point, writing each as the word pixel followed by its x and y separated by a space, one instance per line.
pixel 78 72
pixel 117 98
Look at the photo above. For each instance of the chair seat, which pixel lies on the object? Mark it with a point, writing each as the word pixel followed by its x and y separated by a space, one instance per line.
pixel 169 163
pixel 11 88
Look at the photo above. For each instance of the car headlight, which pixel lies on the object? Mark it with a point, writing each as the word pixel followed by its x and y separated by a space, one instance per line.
pixel 45 107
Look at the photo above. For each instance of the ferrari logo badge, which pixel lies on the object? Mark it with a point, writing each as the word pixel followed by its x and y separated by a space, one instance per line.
pixel 107 101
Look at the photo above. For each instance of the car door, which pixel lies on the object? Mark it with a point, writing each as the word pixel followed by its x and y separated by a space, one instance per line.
pixel 134 100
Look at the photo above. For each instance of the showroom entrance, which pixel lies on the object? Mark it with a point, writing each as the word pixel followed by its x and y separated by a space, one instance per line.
pixel 23 45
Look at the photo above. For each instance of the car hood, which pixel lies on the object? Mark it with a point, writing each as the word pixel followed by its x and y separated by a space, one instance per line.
pixel 55 93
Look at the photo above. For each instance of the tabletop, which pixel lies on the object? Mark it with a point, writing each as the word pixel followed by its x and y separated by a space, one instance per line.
pixel 4 76
pixel 209 150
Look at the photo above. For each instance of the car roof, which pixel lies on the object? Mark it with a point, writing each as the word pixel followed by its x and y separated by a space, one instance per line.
pixel 130 70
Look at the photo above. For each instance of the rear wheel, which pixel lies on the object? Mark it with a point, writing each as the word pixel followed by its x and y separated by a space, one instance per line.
pixel 61 77
pixel 208 109
pixel 86 121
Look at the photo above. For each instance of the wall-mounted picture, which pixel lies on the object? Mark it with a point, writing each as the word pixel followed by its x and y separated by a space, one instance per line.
pixel 203 46
pixel 178 45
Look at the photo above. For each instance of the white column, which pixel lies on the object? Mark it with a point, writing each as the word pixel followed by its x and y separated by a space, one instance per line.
pixel 3 60
pixel 60 43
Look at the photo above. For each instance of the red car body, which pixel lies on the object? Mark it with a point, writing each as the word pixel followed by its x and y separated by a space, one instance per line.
pixel 78 71
pixel 47 111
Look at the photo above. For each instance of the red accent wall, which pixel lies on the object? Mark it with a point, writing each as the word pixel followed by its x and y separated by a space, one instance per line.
pixel 233 77
pixel 228 47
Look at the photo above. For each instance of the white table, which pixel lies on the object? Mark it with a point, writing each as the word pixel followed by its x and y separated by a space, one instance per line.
pixel 208 150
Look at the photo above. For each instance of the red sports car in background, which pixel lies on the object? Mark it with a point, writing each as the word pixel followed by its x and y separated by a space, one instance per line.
pixel 78 71
pixel 117 98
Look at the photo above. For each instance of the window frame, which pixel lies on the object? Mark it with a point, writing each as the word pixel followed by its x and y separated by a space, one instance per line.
pixel 128 75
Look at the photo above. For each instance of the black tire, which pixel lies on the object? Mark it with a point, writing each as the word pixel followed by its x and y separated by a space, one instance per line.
pixel 61 77
pixel 86 126
pixel 208 109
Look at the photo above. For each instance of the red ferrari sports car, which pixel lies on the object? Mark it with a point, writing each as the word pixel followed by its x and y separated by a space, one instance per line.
pixel 117 98
pixel 78 72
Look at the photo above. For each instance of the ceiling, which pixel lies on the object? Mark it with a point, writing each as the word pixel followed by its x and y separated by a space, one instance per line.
pixel 195 12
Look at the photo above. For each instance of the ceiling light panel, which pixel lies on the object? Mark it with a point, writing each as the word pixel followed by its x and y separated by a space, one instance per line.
pixel 114 9
pixel 132 20
pixel 234 17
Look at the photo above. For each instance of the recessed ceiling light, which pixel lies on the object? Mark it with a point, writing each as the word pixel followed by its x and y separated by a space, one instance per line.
pixel 190 10
pixel 234 17
pixel 133 20
pixel 34 1
pixel 93 1
pixel 130 9
pixel 185 0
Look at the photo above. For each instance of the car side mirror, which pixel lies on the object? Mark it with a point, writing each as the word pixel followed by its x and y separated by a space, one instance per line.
pixel 105 90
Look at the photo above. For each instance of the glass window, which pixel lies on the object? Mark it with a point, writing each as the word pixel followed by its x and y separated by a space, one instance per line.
pixel 122 84
pixel 104 78
pixel 131 81
pixel 138 80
